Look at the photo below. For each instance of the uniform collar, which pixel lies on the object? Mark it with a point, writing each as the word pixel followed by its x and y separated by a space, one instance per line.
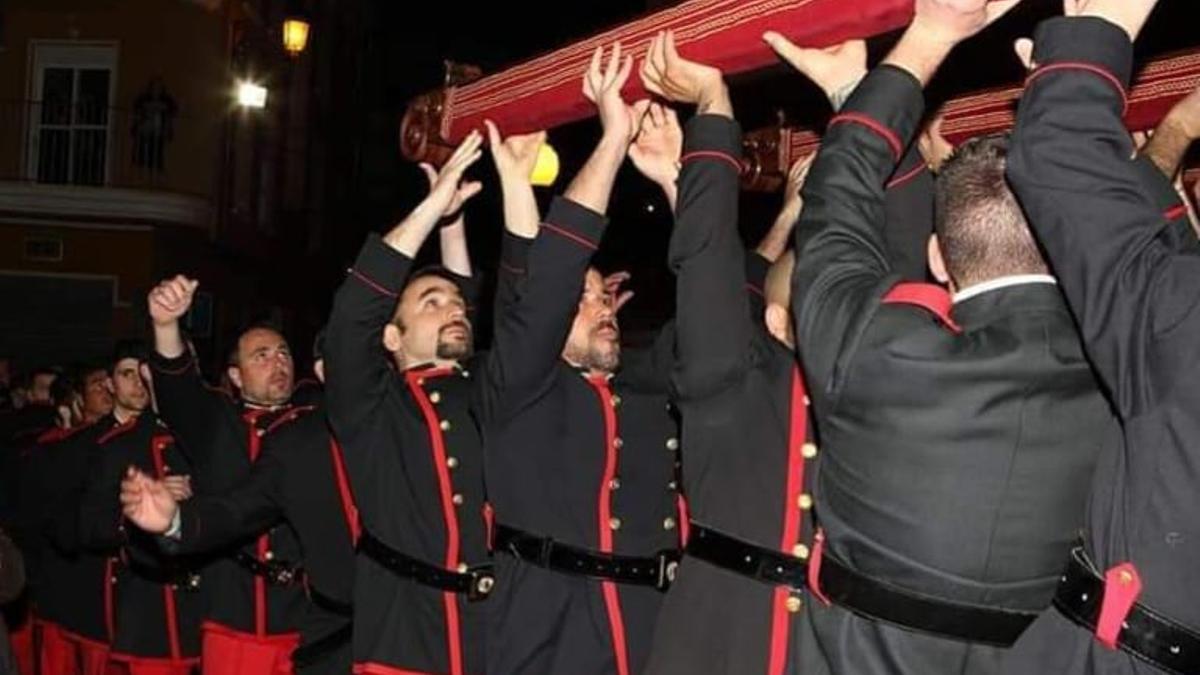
pixel 1002 282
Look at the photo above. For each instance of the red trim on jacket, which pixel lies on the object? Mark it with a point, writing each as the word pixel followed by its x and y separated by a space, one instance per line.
pixel 371 283
pixel 158 445
pixel 874 125
pixel 370 668
pixel 797 435
pixel 904 178
pixel 263 544
pixel 1177 211
pixel 437 443
pixel 562 232
pixel 1087 67
pixel 346 496
pixel 713 154
pixel 929 297
pixel 118 430
pixel 612 600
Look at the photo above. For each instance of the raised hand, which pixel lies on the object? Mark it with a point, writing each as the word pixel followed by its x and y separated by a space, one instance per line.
pixel 612 286
pixel 1129 15
pixel 949 22
pixel 515 156
pixel 658 146
pixel 797 174
pixel 666 73
pixel 171 299
pixel 146 502
pixel 602 85
pixel 933 145
pixel 836 70
pixel 179 487
pixel 447 189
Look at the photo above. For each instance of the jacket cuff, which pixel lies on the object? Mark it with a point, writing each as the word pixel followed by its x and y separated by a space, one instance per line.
pixel 380 267
pixel 713 138
pixel 1083 44
pixel 514 253
pixel 890 103
pixel 574 222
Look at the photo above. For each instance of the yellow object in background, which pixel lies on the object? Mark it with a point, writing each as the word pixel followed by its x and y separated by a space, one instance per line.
pixel 545 171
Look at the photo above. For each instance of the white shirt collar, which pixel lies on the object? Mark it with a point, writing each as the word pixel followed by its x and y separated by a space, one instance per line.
pixel 1002 282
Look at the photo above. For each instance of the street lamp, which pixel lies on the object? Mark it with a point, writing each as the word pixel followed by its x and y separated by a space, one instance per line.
pixel 295 34
pixel 251 95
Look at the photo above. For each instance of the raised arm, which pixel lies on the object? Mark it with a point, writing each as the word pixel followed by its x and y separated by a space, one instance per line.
pixel 714 327
pixel 356 366
pixel 515 158
pixel 185 402
pixel 532 329
pixel 207 522
pixel 1071 165
pixel 843 266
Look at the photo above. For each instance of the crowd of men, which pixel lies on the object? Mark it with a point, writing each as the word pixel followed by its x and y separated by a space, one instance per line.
pixel 931 424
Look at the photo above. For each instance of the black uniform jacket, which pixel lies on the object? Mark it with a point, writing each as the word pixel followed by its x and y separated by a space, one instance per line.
pixel 415 461
pixel 747 438
pixel 300 478
pixel 70 583
pixel 956 458
pixel 1129 266
pixel 155 611
pixel 221 439
pixel 587 461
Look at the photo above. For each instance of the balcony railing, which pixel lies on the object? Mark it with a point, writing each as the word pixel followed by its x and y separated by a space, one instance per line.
pixel 142 163
pixel 57 144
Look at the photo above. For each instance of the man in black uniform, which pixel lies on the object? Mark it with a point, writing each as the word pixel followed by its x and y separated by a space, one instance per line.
pixel 299 477
pixel 153 605
pixel 399 396
pixel 1129 601
pixel 253 611
pixel 960 433
pixel 68 596
pixel 733 608
pixel 580 455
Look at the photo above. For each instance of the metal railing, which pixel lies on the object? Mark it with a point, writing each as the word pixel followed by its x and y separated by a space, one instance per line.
pixel 81 144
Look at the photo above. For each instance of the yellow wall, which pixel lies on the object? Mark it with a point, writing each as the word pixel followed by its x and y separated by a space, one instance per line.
pixel 175 39
pixel 127 254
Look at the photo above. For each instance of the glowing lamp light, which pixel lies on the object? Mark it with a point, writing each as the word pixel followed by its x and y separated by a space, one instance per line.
pixel 295 35
pixel 545 170
pixel 251 95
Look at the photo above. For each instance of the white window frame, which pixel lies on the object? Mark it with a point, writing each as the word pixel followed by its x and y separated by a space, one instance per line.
pixel 76 55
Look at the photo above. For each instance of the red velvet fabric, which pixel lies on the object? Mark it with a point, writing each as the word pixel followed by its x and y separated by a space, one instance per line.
pixel 1158 86
pixel 545 92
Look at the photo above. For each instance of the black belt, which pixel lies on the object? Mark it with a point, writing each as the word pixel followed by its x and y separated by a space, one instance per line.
pixel 750 560
pixel 1145 633
pixel 476 583
pixel 877 599
pixel 657 572
pixel 311 653
pixel 181 579
pixel 276 572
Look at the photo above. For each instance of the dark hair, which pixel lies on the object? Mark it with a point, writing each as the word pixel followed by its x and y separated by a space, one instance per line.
pixel 231 357
pixel 128 349
pixel 63 389
pixel 437 271
pixel 981 229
